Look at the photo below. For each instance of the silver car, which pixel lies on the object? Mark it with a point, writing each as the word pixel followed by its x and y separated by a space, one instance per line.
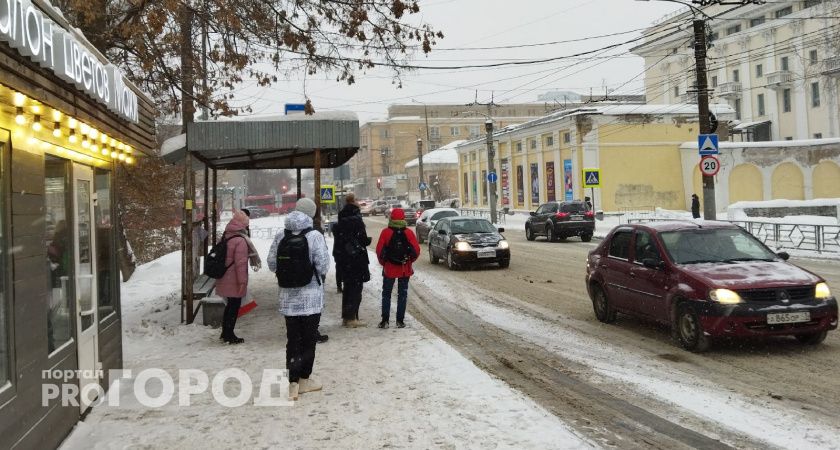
pixel 428 220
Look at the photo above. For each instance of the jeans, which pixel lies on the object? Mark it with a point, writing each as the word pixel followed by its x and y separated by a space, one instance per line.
pixel 301 337
pixel 351 298
pixel 402 297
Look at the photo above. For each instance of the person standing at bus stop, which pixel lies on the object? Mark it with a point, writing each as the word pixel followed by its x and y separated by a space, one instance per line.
pixel 396 250
pixel 351 259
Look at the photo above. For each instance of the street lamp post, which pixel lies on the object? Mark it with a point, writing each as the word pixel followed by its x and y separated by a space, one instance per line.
pixel 420 166
pixel 491 168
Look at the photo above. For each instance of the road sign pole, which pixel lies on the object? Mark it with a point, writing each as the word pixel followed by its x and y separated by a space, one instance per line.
pixel 709 207
pixel 491 168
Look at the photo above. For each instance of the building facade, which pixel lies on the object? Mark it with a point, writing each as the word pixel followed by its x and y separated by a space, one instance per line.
pixel 777 65
pixel 65 125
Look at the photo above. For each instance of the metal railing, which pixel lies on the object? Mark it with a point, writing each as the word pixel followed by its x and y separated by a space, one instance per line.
pixel 479 212
pixel 808 237
pixel 831 66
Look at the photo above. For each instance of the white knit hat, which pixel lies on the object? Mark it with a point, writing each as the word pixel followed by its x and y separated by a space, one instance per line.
pixel 306 206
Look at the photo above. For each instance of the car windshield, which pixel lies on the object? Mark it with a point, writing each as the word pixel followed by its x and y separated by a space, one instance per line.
pixel 441 214
pixel 714 246
pixel 573 208
pixel 472 226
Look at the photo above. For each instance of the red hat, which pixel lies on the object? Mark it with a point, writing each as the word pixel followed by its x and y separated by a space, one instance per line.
pixel 397 214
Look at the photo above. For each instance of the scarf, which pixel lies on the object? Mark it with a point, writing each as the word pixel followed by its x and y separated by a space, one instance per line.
pixel 397 224
pixel 253 255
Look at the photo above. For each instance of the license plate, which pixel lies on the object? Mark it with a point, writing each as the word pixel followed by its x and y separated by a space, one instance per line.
pixel 486 253
pixel 577 217
pixel 795 317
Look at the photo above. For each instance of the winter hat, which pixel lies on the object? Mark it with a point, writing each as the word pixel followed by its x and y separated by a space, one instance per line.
pixel 398 214
pixel 306 206
pixel 240 218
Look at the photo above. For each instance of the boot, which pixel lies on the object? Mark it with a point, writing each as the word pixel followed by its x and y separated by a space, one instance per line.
pixel 309 385
pixel 294 391
pixel 228 323
pixel 400 324
pixel 356 323
pixel 383 325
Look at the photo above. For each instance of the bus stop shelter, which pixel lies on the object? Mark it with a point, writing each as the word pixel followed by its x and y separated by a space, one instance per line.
pixel 321 140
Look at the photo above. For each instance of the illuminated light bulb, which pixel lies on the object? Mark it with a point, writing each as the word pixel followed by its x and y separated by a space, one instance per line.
pixel 36 109
pixel 128 149
pixel 20 119
pixel 122 157
pixel 72 137
pixel 129 160
pixel 57 129
pixel 93 147
pixel 121 146
pixel 36 123
pixel 19 99
pixel 84 128
pixel 85 142
pixel 93 133
pixel 56 115
pixel 114 155
pixel 72 123
pixel 104 138
pixel 113 142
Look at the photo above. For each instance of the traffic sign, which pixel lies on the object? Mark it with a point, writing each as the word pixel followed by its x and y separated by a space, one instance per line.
pixel 294 108
pixel 707 144
pixel 709 165
pixel 591 178
pixel 327 193
pixel 423 186
pixel 492 177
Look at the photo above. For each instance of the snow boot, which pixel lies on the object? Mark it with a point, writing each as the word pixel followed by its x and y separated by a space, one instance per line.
pixel 309 385
pixel 294 391
pixel 321 338
pixel 383 325
pixel 400 324
pixel 356 323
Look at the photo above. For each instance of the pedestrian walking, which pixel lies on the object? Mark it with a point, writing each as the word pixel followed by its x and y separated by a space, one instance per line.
pixel 695 206
pixel 233 285
pixel 300 258
pixel 396 250
pixel 351 259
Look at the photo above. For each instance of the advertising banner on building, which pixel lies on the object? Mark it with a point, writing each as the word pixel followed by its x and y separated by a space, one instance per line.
pixel 505 183
pixel 466 188
pixel 520 185
pixel 535 183
pixel 474 189
pixel 549 181
pixel 484 190
pixel 567 180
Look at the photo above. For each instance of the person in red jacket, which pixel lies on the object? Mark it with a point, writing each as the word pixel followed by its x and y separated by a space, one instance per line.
pixel 397 249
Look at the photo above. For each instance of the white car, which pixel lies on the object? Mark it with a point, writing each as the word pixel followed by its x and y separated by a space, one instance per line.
pixel 428 220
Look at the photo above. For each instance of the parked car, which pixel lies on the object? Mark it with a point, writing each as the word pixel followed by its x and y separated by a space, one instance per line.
pixel 559 220
pixel 379 207
pixel 257 212
pixel 468 240
pixel 366 207
pixel 429 218
pixel 706 280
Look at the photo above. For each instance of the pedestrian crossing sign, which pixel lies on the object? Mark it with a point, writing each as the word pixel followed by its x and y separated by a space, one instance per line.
pixel 327 194
pixel 591 178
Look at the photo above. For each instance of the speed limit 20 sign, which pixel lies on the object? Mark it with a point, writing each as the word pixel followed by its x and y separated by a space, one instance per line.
pixel 709 165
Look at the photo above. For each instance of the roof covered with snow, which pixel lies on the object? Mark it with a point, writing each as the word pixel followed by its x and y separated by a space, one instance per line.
pixel 769 144
pixel 443 156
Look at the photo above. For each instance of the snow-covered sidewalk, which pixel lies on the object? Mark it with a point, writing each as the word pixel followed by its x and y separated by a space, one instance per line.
pixel 382 388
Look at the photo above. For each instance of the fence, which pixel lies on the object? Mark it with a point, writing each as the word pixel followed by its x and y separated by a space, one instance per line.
pixel 809 237
pixel 478 212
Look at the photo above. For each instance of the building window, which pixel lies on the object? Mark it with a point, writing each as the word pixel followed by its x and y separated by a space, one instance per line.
pixel 464 157
pixel 472 156
pixel 785 63
pixel 715 36
pixel 454 131
pixel 759 71
pixel 760 100
pixel 676 91
pixel 567 137
pixel 433 114
pixel 788 138
pixel 435 146
pixel 786 100
pixel 736 76
pixel 756 22
pixel 59 251
pixel 810 3
pixel 549 141
pixel 812 57
pixel 817 135
pixel 475 131
pixel 434 132
pixel 105 240
pixel 532 144
pixel 518 147
pixel 5 354
pixel 714 81
pixel 733 29
pixel 737 109
pixel 815 94
pixel 784 11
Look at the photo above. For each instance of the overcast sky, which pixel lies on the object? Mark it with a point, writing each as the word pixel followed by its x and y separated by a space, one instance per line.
pixel 490 23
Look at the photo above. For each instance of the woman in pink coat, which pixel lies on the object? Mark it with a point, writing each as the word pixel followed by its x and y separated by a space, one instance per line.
pixel 234 283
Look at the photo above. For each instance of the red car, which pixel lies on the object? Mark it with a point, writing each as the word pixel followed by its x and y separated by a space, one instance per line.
pixel 706 280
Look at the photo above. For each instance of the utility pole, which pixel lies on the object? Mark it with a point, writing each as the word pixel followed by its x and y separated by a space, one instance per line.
pixel 420 164
pixel 491 154
pixel 709 208
pixel 187 117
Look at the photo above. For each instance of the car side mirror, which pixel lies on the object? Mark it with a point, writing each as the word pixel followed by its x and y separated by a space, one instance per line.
pixel 599 215
pixel 533 214
pixel 784 255
pixel 501 230
pixel 652 263
pixel 441 231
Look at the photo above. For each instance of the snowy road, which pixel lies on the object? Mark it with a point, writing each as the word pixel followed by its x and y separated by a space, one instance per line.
pixel 627 385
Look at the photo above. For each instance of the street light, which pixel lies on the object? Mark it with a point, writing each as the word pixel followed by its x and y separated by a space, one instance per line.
pixel 420 167
pixel 491 163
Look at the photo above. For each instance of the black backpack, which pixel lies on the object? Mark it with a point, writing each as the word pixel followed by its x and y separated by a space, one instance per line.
pixel 294 266
pixel 398 250
pixel 214 262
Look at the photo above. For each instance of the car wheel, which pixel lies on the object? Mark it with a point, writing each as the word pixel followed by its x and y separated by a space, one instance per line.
pixel 812 338
pixel 690 330
pixel 586 237
pixel 432 258
pixel 529 234
pixel 549 234
pixel 450 261
pixel 601 305
pixel 504 264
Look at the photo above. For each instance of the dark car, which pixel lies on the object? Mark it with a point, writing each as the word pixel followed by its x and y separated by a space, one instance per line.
pixel 468 240
pixel 706 280
pixel 428 220
pixel 257 212
pixel 410 213
pixel 559 220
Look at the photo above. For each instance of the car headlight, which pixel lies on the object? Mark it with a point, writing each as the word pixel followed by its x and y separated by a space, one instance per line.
pixel 725 296
pixel 822 291
pixel 503 244
pixel 462 246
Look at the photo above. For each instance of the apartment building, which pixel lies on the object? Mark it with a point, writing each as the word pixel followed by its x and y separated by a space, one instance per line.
pixel 776 64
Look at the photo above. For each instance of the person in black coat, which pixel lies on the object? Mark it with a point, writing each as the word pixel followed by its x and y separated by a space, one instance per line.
pixel 695 206
pixel 351 258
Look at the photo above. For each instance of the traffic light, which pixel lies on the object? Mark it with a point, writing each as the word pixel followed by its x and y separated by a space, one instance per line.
pixel 379 183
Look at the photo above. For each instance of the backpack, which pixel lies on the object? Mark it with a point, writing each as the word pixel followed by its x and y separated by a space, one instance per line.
pixel 294 265
pixel 398 250
pixel 214 262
